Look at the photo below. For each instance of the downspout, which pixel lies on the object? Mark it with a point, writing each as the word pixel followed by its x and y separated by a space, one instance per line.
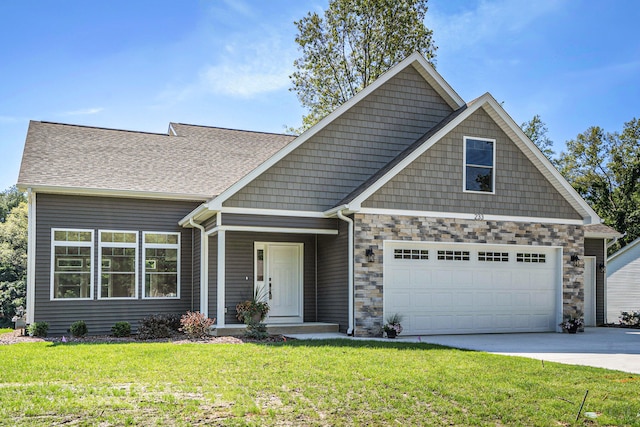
pixel 349 221
pixel 204 276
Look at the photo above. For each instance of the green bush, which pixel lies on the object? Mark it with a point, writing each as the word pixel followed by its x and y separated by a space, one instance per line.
pixel 121 329
pixel 38 329
pixel 79 328
pixel 158 326
pixel 196 325
pixel 255 329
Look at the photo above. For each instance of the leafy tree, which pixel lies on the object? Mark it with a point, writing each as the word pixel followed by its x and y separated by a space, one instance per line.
pixel 605 169
pixel 537 130
pixel 13 262
pixel 351 46
pixel 9 199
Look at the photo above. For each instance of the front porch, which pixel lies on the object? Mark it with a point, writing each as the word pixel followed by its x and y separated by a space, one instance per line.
pixel 279 328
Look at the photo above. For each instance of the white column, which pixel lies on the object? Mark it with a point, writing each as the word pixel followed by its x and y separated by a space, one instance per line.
pixel 221 278
pixel 204 274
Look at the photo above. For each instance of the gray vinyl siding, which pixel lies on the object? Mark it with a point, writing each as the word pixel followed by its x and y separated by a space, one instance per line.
pixel 595 247
pixel 333 278
pixel 95 213
pixel 332 163
pixel 240 275
pixel 433 182
pixel 209 223
pixel 279 221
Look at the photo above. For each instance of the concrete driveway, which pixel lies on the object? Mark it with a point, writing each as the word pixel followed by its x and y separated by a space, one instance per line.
pixel 610 348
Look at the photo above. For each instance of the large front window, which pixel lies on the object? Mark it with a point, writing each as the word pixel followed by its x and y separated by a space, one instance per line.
pixel 479 163
pixel 71 274
pixel 118 262
pixel 161 265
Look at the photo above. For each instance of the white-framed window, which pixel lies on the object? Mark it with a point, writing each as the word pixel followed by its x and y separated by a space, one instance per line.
pixel 479 165
pixel 161 264
pixel 117 264
pixel 71 261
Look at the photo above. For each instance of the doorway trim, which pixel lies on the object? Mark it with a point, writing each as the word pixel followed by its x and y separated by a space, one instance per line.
pixel 261 280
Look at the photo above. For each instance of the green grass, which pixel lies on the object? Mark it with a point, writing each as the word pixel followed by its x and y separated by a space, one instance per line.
pixel 335 382
pixel 5 330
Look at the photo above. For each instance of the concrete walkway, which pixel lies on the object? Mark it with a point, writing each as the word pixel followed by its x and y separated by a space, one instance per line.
pixel 610 348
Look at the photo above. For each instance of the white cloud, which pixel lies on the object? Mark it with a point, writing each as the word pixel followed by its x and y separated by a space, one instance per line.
pixel 248 77
pixel 83 112
pixel 488 21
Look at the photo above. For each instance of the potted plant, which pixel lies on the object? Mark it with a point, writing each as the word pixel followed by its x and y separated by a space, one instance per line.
pixel 254 309
pixel 572 324
pixel 393 327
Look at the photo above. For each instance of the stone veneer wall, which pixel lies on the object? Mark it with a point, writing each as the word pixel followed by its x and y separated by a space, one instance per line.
pixel 372 230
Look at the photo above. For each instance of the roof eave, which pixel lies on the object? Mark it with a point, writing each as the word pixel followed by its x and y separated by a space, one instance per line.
pixel 104 192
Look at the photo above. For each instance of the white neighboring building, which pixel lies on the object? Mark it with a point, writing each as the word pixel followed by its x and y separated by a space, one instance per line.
pixel 623 281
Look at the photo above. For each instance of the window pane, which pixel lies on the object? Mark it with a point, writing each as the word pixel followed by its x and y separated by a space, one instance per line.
pixel 161 284
pixel 118 286
pixel 479 179
pixel 479 153
pixel 72 285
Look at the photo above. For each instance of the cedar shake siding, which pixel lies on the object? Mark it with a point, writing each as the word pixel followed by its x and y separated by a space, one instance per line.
pixel 332 163
pixel 333 278
pixel 103 213
pixel 595 247
pixel 433 182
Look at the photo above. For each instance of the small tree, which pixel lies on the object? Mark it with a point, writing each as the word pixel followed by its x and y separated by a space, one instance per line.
pixel 351 46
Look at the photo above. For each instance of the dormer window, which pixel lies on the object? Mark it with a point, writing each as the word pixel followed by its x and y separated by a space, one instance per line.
pixel 479 163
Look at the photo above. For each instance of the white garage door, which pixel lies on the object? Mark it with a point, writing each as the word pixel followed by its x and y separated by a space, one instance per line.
pixel 471 288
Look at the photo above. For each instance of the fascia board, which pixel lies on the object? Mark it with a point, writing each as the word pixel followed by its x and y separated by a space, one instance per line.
pixel 624 250
pixel 52 189
pixel 442 87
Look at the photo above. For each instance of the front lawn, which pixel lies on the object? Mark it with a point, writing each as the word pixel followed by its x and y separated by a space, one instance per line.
pixel 335 382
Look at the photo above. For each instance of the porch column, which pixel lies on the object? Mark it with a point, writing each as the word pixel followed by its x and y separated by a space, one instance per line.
pixel 220 311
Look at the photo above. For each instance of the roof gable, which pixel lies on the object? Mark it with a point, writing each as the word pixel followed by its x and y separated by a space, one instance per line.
pixel 416 61
pixel 513 132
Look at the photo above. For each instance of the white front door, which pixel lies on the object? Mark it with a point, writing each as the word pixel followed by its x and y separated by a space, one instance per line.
pixel 282 281
pixel 590 291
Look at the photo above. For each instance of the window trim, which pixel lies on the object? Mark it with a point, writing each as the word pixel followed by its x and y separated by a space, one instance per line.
pixel 464 166
pixel 146 245
pixel 135 245
pixel 52 271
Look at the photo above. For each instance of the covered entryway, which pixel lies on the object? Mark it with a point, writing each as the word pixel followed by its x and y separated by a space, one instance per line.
pixel 279 280
pixel 456 288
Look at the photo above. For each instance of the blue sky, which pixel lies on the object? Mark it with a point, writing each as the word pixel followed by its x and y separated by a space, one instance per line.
pixel 140 64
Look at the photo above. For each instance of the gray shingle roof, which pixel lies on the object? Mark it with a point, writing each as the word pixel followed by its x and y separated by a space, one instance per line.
pixel 197 161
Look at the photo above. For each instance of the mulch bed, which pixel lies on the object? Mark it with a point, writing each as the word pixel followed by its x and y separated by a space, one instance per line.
pixel 16 337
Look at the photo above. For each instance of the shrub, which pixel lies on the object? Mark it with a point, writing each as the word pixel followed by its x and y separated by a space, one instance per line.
pixel 630 318
pixel 38 329
pixel 158 326
pixel 79 328
pixel 255 329
pixel 196 325
pixel 121 329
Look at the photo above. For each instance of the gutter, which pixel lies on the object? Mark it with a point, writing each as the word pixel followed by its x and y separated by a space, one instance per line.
pixel 204 277
pixel 339 214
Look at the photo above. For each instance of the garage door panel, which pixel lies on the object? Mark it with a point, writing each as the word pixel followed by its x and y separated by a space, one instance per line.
pixel 450 296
